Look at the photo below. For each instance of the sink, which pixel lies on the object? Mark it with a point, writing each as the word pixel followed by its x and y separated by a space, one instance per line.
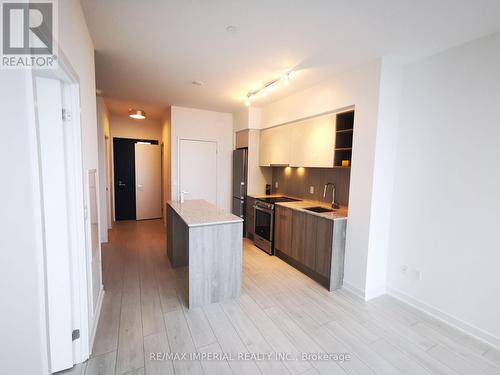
pixel 318 209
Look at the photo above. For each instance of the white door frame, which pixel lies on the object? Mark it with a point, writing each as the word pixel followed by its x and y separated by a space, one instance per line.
pixel 109 197
pixel 179 139
pixel 92 310
pixel 76 204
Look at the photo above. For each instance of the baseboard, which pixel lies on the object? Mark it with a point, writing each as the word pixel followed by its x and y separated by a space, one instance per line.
pixel 375 292
pixel 355 291
pixel 446 318
pixel 96 320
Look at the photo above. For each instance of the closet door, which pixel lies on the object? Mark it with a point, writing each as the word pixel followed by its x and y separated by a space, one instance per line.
pixel 55 211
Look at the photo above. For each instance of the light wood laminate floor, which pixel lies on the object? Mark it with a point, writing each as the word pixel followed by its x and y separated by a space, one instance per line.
pixel 280 311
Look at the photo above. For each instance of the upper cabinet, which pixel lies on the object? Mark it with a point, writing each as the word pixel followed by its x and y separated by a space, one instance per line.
pixel 313 142
pixel 321 142
pixel 274 148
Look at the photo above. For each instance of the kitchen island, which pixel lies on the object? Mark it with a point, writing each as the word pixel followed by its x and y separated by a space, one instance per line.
pixel 208 241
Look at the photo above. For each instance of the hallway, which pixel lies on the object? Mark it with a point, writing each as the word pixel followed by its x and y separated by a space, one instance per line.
pixel 280 311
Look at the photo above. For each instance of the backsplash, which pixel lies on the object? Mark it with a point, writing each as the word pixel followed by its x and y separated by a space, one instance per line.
pixel 297 181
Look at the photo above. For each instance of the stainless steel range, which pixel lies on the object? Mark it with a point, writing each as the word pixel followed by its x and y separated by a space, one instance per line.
pixel 264 222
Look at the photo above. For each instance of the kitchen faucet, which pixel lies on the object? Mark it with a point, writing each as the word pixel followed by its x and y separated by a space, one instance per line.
pixel 334 204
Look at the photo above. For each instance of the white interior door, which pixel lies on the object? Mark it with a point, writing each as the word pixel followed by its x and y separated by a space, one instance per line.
pixel 198 169
pixel 147 181
pixel 56 219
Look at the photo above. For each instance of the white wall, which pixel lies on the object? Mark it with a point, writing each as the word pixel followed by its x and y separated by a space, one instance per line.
pixel 446 205
pixel 240 119
pixel 24 346
pixel 360 88
pixel 103 132
pixel 126 127
pixel 189 123
pixel 383 176
pixel 167 159
pixel 22 317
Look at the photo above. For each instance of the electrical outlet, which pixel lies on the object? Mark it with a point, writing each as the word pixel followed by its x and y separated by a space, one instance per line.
pixel 276 184
pixel 311 189
pixel 416 275
pixel 404 269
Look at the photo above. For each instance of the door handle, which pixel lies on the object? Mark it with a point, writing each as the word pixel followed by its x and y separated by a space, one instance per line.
pixel 242 185
pixel 121 183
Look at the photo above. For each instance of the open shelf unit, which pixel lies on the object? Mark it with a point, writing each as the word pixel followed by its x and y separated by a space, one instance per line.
pixel 343 137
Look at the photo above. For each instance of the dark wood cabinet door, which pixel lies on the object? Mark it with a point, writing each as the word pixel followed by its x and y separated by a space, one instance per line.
pixel 324 238
pixel 283 229
pixel 304 238
pixel 310 243
pixel 298 234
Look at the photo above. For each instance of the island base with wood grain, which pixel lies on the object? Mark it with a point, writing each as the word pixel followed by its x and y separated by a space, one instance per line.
pixel 208 241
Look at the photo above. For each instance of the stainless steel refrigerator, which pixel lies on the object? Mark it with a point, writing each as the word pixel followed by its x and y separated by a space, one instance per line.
pixel 240 160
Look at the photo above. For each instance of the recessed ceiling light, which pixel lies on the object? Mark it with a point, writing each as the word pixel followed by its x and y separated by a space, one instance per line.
pixel 137 114
pixel 197 83
pixel 231 29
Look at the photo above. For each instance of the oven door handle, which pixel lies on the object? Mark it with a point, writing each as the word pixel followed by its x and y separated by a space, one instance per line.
pixel 266 210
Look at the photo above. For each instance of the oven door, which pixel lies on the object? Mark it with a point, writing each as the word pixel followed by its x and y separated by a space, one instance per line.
pixel 263 229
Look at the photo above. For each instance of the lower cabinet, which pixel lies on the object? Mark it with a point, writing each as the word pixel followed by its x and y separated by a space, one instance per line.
pixel 309 242
pixel 250 217
pixel 283 230
pixel 304 238
pixel 324 246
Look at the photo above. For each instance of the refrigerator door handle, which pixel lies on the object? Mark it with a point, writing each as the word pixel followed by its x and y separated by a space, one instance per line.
pixel 242 187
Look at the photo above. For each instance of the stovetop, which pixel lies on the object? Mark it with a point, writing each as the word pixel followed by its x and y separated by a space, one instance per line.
pixel 273 200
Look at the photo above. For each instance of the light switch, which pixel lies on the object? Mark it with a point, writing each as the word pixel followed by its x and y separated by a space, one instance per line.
pixel 311 189
pixel 276 184
pixel 404 269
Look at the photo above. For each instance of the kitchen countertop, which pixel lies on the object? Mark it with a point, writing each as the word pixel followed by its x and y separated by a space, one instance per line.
pixel 271 196
pixel 199 212
pixel 338 214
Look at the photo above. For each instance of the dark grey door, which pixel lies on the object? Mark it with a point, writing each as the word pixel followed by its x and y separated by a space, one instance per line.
pixel 239 173
pixel 124 162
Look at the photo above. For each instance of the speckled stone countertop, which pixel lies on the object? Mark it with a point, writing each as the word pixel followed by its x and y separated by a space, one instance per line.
pixel 199 212
pixel 337 214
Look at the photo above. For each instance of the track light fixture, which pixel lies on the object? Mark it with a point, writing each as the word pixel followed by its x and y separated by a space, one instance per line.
pixel 267 87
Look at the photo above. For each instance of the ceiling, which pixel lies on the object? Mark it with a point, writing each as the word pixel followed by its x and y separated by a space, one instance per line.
pixel 154 111
pixel 150 51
